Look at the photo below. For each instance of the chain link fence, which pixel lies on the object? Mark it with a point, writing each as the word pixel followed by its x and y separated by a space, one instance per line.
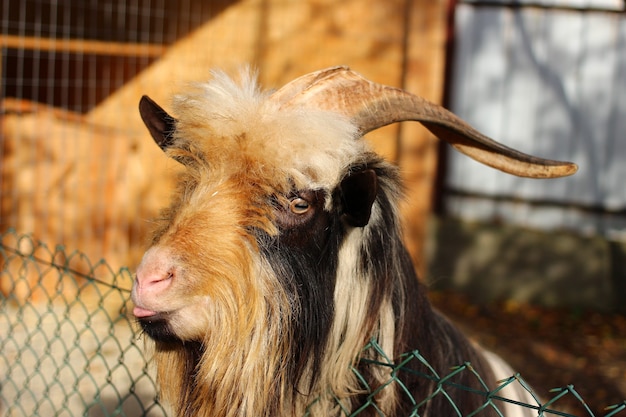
pixel 68 346
pixel 494 398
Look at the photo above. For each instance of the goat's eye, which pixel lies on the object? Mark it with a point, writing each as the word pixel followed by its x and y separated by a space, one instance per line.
pixel 299 205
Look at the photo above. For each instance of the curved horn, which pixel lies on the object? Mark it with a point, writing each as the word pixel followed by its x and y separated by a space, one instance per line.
pixel 370 106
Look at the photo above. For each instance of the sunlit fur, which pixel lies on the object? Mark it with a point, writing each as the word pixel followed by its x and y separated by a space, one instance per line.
pixel 240 150
pixel 256 327
pixel 229 124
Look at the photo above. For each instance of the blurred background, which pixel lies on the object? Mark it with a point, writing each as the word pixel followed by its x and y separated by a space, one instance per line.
pixel 534 269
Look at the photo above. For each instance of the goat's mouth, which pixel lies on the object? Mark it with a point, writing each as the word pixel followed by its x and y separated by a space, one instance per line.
pixel 157 327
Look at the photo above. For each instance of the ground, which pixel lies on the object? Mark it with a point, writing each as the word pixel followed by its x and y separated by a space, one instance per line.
pixel 551 348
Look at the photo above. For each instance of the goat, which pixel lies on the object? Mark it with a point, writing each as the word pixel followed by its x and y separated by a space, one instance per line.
pixel 281 253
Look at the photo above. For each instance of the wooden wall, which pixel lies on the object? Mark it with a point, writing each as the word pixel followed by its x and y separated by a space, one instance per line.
pixel 396 42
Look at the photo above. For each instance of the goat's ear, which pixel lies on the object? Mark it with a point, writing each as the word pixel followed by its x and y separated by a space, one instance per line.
pixel 358 192
pixel 160 124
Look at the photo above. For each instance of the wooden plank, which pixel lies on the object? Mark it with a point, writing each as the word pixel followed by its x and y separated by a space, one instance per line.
pixel 417 153
pixel 82 46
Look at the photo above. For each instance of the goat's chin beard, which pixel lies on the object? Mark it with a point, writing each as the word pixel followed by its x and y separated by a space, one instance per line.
pixel 158 328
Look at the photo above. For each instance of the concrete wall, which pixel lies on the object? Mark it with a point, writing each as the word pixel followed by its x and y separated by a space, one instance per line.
pixel 497 262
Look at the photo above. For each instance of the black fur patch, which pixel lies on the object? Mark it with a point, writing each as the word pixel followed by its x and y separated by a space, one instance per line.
pixel 158 328
pixel 304 256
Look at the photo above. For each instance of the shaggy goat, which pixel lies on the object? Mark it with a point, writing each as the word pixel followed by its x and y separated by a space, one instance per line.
pixel 281 255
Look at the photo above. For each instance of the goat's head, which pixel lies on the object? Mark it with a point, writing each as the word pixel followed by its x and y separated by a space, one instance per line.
pixel 247 260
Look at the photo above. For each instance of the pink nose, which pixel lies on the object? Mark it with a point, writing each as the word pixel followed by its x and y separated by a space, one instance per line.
pixel 154 275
